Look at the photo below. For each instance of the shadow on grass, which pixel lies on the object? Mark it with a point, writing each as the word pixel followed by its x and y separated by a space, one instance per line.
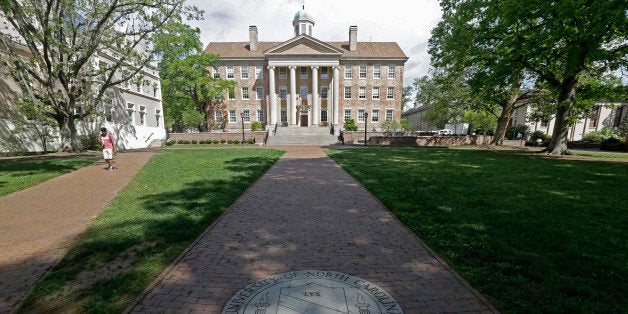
pixel 137 236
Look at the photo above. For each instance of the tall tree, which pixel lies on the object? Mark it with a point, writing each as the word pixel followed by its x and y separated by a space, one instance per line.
pixel 188 83
pixel 446 94
pixel 555 40
pixel 65 54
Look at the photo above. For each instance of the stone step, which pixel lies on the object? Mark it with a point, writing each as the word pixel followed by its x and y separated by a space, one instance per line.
pixel 319 136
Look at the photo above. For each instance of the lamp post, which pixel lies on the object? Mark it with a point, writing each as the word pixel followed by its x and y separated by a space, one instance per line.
pixel 366 118
pixel 242 120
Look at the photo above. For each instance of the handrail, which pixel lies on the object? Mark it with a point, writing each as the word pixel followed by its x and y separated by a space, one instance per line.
pixel 148 138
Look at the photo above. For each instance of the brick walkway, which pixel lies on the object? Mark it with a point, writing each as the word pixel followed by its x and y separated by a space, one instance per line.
pixel 37 224
pixel 307 213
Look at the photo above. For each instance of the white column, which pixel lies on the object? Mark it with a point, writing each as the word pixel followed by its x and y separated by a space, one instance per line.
pixel 273 95
pixel 337 94
pixel 293 95
pixel 315 108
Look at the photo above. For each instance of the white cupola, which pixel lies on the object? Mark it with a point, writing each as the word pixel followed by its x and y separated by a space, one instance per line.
pixel 303 23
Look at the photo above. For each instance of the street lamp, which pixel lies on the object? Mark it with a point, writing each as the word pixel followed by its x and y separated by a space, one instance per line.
pixel 242 120
pixel 366 119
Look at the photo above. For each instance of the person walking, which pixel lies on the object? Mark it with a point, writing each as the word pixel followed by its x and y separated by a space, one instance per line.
pixel 108 147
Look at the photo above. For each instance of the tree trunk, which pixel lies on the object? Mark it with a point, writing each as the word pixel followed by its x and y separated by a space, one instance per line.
pixel 558 143
pixel 507 109
pixel 67 130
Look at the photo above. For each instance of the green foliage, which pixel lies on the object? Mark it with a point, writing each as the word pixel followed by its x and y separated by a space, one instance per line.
pixel 530 243
pixel 522 129
pixel 350 125
pixel 89 142
pixel 601 135
pixel 446 94
pixel 192 119
pixel 614 144
pixel 257 126
pixel 481 120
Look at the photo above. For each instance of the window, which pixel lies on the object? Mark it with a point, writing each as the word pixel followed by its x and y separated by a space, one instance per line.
pixel 282 73
pixel 218 116
pixel 347 114
pixel 232 116
pixel 390 92
pixel 232 94
pixel 323 115
pixel 142 115
pixel 348 73
pixel 363 71
pixel 362 92
pixel 324 91
pixel 155 89
pixel 391 71
pixel 376 72
pixel 375 115
pixel 157 117
pixel 303 73
pixel 246 116
pixel 218 96
pixel 283 91
pixel 361 115
pixel 347 92
pixel 324 72
pixel 389 114
pixel 230 72
pixel 259 72
pixel 216 73
pixel 244 71
pixel 245 92
pixel 544 124
pixel 284 116
pixel 375 92
pixel 129 109
pixel 303 92
pixel 260 116
pixel 259 93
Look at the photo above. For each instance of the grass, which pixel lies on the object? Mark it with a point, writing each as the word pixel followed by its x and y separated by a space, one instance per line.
pixel 176 196
pixel 18 175
pixel 531 234
pixel 599 154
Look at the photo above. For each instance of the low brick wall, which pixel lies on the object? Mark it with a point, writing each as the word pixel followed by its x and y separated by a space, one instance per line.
pixel 258 137
pixel 379 138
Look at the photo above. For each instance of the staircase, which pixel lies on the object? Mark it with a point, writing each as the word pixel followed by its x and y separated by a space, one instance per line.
pixel 313 136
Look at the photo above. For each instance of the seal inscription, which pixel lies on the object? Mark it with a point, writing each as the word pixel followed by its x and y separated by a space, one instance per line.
pixel 312 291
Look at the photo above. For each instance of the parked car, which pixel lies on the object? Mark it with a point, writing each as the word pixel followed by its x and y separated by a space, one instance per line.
pixel 445 132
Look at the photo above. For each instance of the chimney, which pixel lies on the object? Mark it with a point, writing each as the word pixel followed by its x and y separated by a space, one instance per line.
pixel 253 38
pixel 353 38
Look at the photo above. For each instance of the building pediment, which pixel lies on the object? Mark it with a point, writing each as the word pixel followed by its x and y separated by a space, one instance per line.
pixel 303 46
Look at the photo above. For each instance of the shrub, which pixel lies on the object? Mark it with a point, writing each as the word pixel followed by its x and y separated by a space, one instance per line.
pixel 215 141
pixel 250 141
pixel 614 144
pixel 169 143
pixel 539 134
pixel 350 125
pixel 183 142
pixel 601 135
pixel 512 132
pixel 194 142
pixel 222 141
pixel 89 142
pixel 257 126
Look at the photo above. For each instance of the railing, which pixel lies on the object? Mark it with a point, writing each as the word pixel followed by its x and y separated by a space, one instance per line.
pixel 148 138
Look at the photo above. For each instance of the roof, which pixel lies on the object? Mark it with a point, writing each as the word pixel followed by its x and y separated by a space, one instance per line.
pixel 302 15
pixel 365 50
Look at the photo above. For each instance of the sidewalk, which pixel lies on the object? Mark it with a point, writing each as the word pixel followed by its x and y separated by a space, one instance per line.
pixel 38 224
pixel 307 213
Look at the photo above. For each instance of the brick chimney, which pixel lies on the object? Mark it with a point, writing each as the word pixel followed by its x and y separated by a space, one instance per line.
pixel 353 38
pixel 253 38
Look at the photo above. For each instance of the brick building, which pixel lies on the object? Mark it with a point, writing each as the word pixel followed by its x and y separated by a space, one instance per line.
pixel 306 82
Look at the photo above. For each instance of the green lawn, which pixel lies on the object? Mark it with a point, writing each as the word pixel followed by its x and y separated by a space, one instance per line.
pixel 176 196
pixel 531 234
pixel 18 175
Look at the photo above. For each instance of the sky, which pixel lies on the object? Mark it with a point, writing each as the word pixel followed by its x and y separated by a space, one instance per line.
pixel 407 22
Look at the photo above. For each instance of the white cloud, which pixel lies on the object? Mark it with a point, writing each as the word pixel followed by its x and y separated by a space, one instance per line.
pixel 407 22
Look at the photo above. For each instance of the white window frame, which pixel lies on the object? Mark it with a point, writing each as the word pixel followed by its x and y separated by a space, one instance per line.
pixel 283 92
pixel 361 113
pixel 244 71
pixel 389 114
pixel 232 116
pixel 218 115
pixel 375 115
pixel 230 72
pixel 347 92
pixel 284 116
pixel 260 116
pixel 245 93
pixel 324 92
pixel 142 115
pixel 362 92
pixel 324 72
pixel 259 72
pixel 259 93
pixel 375 93
pixel 348 72
pixel 347 115
pixel 303 73
pixel 283 73
pixel 390 92
pixel 323 115
pixel 216 73
pixel 246 116
pixel 377 74
pixel 391 72
pixel 362 72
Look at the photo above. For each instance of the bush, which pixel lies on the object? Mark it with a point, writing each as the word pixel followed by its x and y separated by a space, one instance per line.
pixel 539 134
pixel 613 144
pixel 89 142
pixel 222 141
pixel 512 132
pixel 250 141
pixel 601 135
pixel 183 142
pixel 257 126
pixel 194 142
pixel 169 143
pixel 350 125
pixel 215 141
